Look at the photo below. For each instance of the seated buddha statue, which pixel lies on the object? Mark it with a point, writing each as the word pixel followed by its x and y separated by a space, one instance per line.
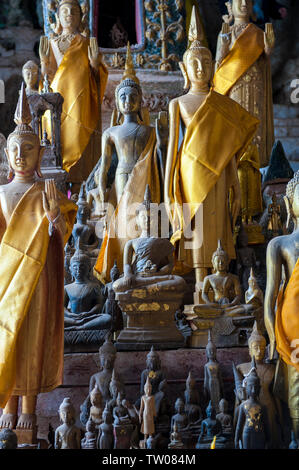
pixel 148 261
pixel 120 413
pixel 180 418
pixel 210 427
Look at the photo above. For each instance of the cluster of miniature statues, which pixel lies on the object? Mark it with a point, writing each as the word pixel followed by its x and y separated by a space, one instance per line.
pixel 122 276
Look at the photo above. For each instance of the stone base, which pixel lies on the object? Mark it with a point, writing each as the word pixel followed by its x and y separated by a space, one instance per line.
pixel 141 339
pixel 83 340
pixel 26 436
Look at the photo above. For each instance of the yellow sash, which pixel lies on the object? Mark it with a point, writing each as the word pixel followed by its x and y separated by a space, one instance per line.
pixel 80 113
pixel 287 320
pixel 144 172
pixel 245 51
pixel 219 130
pixel 23 253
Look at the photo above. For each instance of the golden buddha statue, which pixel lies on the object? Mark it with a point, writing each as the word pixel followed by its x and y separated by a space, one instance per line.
pixel 82 88
pixel 281 305
pixel 35 222
pixel 203 174
pixel 265 372
pixel 243 73
pixel 254 296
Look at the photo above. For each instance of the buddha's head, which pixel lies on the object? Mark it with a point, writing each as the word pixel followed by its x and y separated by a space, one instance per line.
pixel 252 282
pixel 241 9
pixel 67 412
pixel 107 354
pixel 220 259
pixel 83 212
pixel 128 97
pixel 30 74
pixel 80 266
pixel 179 406
pixel 223 405
pixel 70 15
pixel 23 150
pixel 190 382
pixel 153 362
pixel 257 344
pixel 107 416
pixel 291 199
pixel 8 439
pixel 119 400
pixel 252 382
pixel 197 61
pixel 96 397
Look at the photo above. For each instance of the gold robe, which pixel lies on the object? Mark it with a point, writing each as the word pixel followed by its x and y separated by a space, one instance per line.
pixel 80 120
pixel 144 172
pixel 31 297
pixel 203 171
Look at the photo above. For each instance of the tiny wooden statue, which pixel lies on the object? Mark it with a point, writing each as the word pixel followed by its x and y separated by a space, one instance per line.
pixel 67 436
pixel 213 386
pixel 147 411
pixel 105 439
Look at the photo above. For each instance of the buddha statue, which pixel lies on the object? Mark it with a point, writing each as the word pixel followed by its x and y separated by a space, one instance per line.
pixel 105 438
pixel 246 258
pixel 153 371
pixel 111 306
pixel 96 408
pixel 254 296
pixel 180 418
pixel 147 412
pixel 68 435
pixel 240 392
pixel 175 439
pixel 68 253
pixel 134 143
pixel 213 384
pixel 84 230
pixel 265 372
pixel 224 418
pixel 203 173
pixel 30 76
pixel 252 430
pixel 281 321
pixel 120 413
pixel 116 387
pixel 59 57
pixel 243 73
pixel 83 299
pixel 210 427
pixel 274 212
pixel 31 314
pixel 192 401
pixel 90 438
pixel 8 439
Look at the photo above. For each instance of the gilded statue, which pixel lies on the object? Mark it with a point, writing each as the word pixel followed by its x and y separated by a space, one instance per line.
pixel 243 73
pixel 281 320
pixel 265 372
pixel 81 87
pixel 67 435
pixel 274 212
pixel 35 223
pixel 147 411
pixel 203 174
pixel 252 430
pixel 254 296
pixel 138 165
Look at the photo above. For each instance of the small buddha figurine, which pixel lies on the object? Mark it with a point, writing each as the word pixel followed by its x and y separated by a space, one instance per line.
pixel 97 209
pixel 147 411
pixel 84 230
pixel 30 76
pixel 192 401
pixel 68 435
pixel 225 289
pixel 274 212
pixel 180 418
pixel 116 387
pixel 120 413
pixel 240 392
pixel 210 427
pixel 83 299
pixel 148 260
pixel 8 439
pixel 175 439
pixel 105 439
pixel 254 296
pixel 213 385
pixel 153 371
pixel 96 409
pixel 252 427
pixel 245 257
pixel 90 439
pixel 224 418
pixel 266 373
pixel 68 253
pixel 111 306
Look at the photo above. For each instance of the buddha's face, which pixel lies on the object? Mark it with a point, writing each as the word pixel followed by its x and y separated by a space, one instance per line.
pixel 179 406
pixel 30 76
pixel 129 100
pixel 69 16
pixel 66 415
pixel 257 350
pixel 79 270
pixel 152 363
pixel 144 220
pixel 253 389
pixel 241 393
pixel 220 263
pixel 148 389
pixel 23 153
pixel 241 8
pixel 211 353
pixel 107 362
pixel 199 66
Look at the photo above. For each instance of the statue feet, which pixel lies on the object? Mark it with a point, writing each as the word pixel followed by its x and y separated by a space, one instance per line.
pixel 8 420
pixel 26 421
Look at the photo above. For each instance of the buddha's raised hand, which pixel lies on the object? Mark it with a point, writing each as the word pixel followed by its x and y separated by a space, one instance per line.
pixel 94 54
pixel 44 49
pixel 50 200
pixel 269 38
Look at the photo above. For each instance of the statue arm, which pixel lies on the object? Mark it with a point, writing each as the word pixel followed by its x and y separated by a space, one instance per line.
pixel 128 256
pixel 107 146
pixel 174 118
pixel 274 271
pixel 235 189
pixel 141 410
pixel 223 44
pixel 167 269
pixel 205 291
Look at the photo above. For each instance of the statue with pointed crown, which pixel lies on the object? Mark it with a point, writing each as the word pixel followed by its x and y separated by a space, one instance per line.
pixel 35 222
pixel 211 427
pixel 254 296
pixel 252 430
pixel 266 373
pixel 213 383
pixel 148 290
pixel 67 435
pixel 81 87
pixel 201 172
pixel 139 163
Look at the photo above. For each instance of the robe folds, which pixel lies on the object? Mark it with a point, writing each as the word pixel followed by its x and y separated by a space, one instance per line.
pixel 144 172
pixel 203 171
pixel 31 297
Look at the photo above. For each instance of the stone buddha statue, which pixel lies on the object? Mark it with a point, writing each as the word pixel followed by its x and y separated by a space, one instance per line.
pixel 274 213
pixel 60 55
pixel 252 430
pixel 120 413
pixel 210 427
pixel 281 320
pixel 192 402
pixel 96 408
pixel 213 384
pixel 224 418
pixel 83 299
pixel 68 435
pixel 30 76
pixel 254 296
pixel 265 372
pixel 84 230
pixel 105 438
pixel 240 392
pixel 90 438
pixel 180 418
pixel 175 439
pixel 116 387
pixel 111 306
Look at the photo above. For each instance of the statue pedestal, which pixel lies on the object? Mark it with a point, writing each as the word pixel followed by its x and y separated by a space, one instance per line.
pixel 122 436
pixel 226 331
pixel 150 322
pixel 26 436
